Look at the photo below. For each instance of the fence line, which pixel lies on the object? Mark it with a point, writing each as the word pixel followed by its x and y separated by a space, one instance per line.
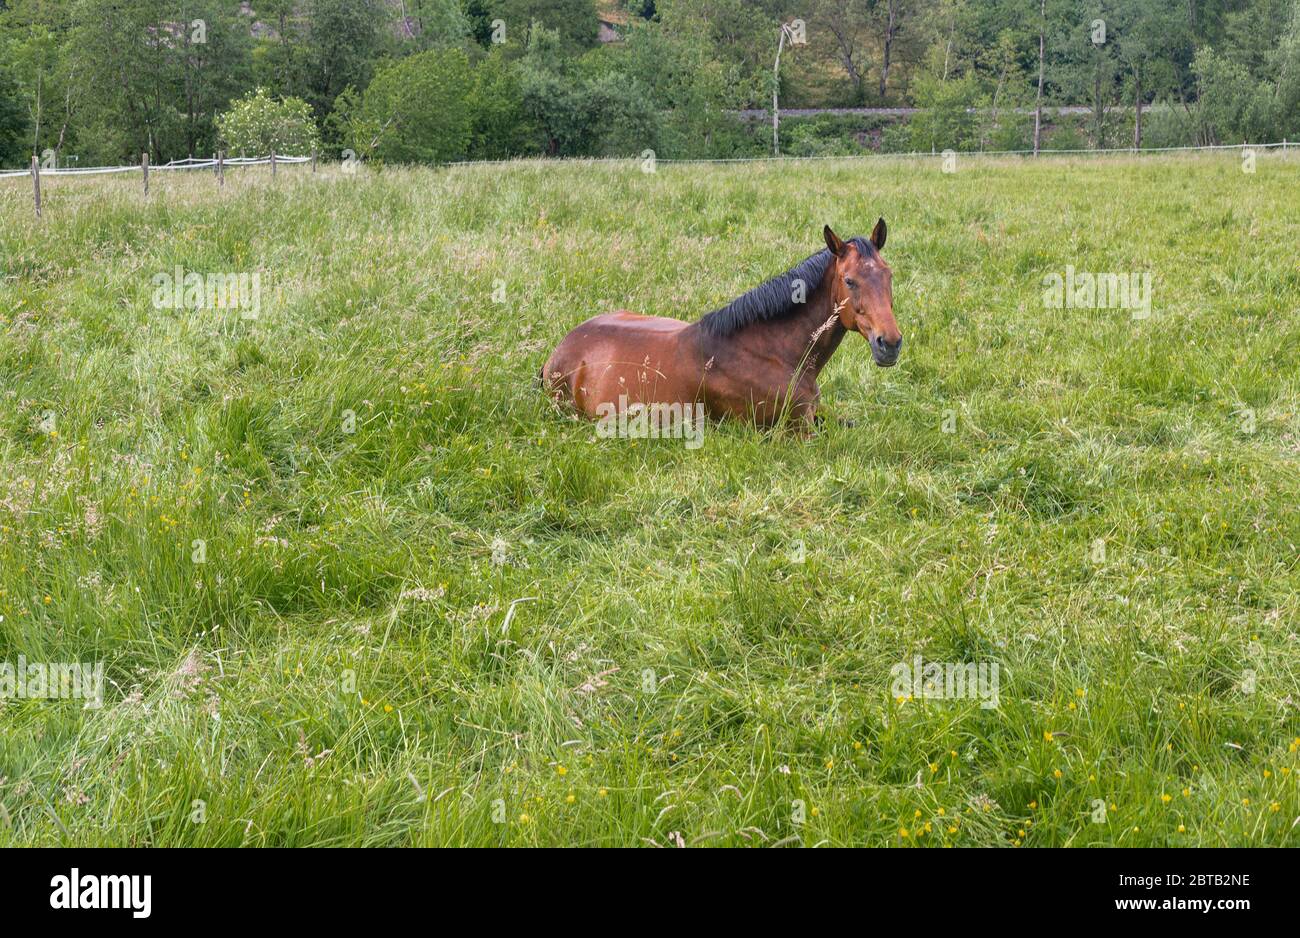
pixel 1283 145
pixel 190 162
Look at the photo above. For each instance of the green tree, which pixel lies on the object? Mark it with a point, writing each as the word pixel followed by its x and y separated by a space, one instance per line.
pixel 320 47
pixel 433 24
pixel 1148 34
pixel 417 110
pixel 946 120
pixel 344 42
pixel 1007 123
pixel 687 86
pixel 1088 67
pixel 552 101
pixel 500 128
pixel 1231 106
pixel 211 55
pixel 132 103
pixel 13 123
pixel 574 21
pixel 47 77
pixel 842 39
pixel 742 38
pixel 622 121
pixel 479 15
pixel 588 107
pixel 282 59
pixel 1285 61
pixel 892 23
pixel 154 73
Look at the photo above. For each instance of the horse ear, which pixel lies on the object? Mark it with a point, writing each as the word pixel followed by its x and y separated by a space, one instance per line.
pixel 878 234
pixel 833 241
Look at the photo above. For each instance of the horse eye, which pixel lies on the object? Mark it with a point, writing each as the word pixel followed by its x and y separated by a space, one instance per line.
pixel 850 282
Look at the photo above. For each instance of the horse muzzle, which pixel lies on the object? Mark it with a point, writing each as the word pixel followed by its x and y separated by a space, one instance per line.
pixel 885 353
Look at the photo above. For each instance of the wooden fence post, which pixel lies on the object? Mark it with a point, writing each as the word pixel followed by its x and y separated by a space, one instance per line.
pixel 313 159
pixel 272 164
pixel 144 167
pixel 221 167
pixel 36 183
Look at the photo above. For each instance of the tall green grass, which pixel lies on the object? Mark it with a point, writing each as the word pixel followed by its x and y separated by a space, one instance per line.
pixel 1113 518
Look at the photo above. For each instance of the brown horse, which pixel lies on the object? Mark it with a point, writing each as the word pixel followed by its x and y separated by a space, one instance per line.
pixel 757 358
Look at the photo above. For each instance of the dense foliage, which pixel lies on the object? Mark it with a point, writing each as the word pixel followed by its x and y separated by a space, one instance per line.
pixel 101 81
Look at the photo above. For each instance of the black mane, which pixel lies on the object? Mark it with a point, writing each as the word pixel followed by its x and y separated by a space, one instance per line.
pixel 773 299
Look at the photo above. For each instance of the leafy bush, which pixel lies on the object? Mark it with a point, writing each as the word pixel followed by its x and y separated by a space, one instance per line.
pixel 1065 137
pixel 897 138
pixel 1167 127
pixel 257 125
pixel 824 135
pixel 1011 131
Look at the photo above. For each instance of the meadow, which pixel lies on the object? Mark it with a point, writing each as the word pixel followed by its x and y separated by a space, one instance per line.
pixel 353 581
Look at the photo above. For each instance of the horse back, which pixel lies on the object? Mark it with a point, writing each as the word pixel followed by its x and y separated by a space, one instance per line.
pixel 624 355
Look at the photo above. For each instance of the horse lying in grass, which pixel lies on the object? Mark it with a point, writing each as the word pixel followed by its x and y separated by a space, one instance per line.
pixel 756 358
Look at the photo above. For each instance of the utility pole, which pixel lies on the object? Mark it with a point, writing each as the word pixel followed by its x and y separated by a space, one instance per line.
pixel 1038 103
pixel 776 88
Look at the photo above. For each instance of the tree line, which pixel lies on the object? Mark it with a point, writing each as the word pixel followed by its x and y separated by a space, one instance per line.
pixel 101 81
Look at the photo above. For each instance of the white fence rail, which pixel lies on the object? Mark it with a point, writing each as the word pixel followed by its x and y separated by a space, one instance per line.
pixel 196 163
pixel 1284 146
pixel 189 162
pixel 219 163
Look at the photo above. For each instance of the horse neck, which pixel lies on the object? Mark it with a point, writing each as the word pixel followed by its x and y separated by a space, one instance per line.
pixel 807 338
pixel 825 322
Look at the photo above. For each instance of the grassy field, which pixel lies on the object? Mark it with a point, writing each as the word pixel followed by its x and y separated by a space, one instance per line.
pixel 700 645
